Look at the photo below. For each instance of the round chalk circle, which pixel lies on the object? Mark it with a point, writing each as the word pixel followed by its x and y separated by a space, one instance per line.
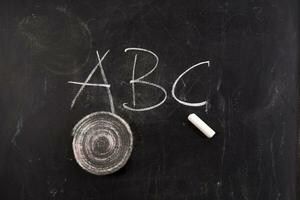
pixel 102 143
pixel 201 125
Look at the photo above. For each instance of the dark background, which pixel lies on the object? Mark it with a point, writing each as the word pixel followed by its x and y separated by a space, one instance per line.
pixel 251 88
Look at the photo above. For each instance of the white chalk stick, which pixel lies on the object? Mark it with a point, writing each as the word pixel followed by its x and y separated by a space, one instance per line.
pixel 201 125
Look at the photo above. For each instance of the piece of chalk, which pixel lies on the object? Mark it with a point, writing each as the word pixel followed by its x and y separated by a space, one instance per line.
pixel 201 125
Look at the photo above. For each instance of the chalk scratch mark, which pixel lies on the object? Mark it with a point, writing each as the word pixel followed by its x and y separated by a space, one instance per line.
pixel 223 152
pixel 18 131
pixel 273 161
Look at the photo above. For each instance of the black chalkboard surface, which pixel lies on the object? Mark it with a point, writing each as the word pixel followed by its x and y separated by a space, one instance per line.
pixel 233 63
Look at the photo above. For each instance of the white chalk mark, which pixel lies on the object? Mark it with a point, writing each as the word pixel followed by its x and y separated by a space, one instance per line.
pixel 179 77
pixel 85 83
pixel 132 84
pixel 151 107
pixel 140 81
pixel 111 101
pixel 148 51
pixel 89 84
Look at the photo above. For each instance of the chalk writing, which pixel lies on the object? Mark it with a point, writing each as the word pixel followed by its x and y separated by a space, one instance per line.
pixel 85 83
pixel 179 77
pixel 134 81
pixel 140 81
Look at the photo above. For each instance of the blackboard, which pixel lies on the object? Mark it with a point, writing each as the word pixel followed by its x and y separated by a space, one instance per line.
pixel 247 77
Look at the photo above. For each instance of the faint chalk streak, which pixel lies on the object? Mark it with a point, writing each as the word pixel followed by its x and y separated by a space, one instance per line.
pixel 18 130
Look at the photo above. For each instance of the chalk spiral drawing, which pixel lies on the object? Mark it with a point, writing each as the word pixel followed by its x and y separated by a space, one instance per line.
pixel 102 143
